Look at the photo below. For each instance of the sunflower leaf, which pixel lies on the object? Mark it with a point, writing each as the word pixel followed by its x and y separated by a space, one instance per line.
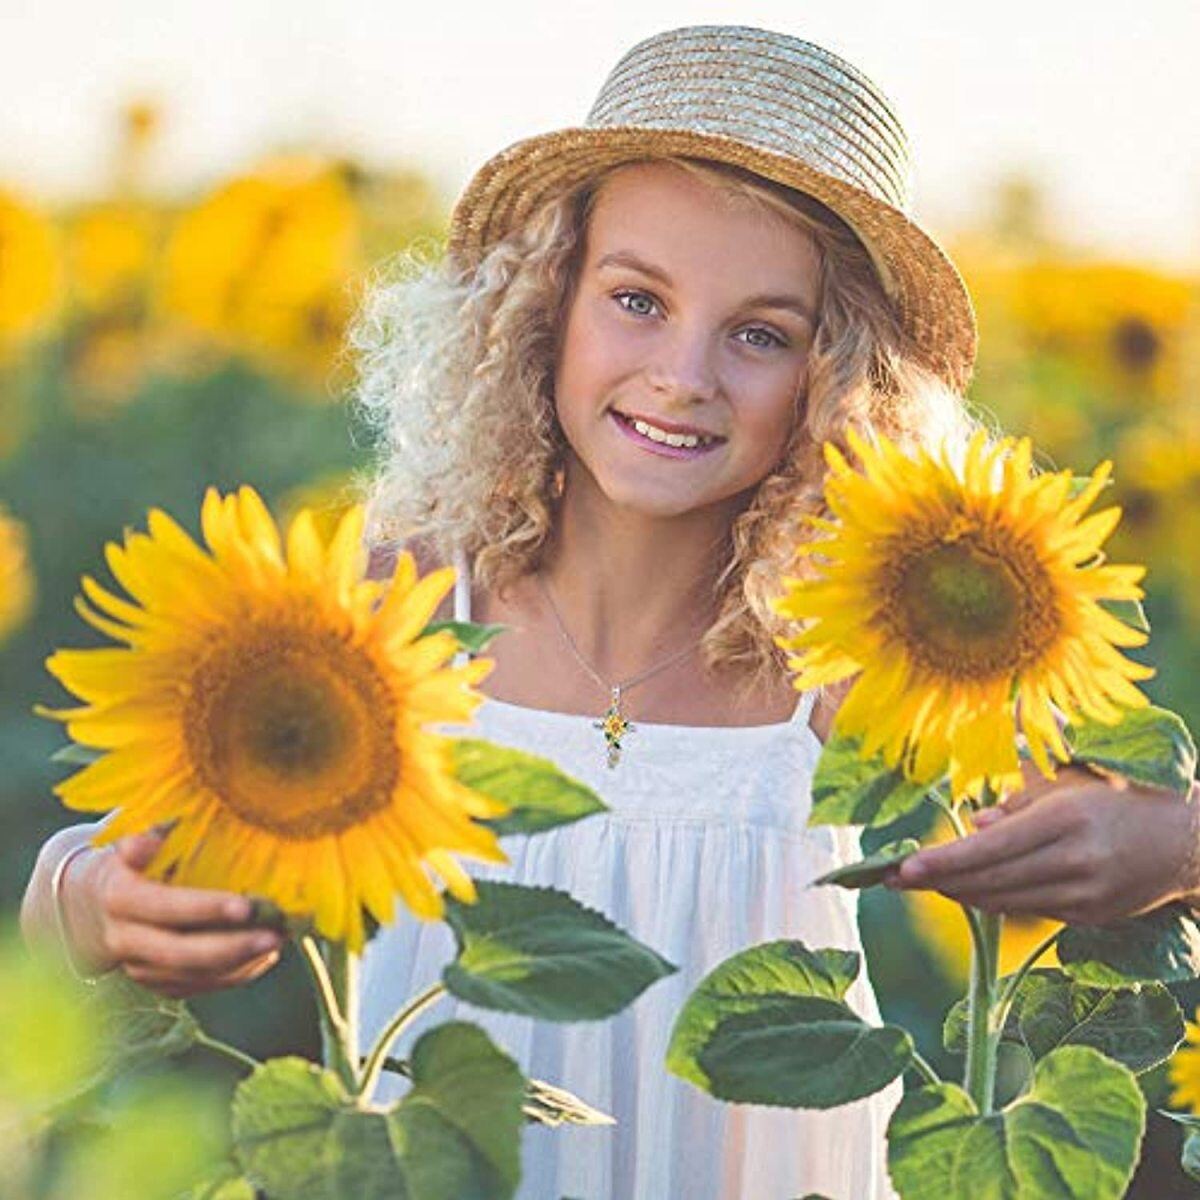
pixel 471 636
pixel 869 871
pixel 770 1025
pixel 1150 746
pixel 1074 1135
pixel 137 1025
pixel 541 795
pixel 850 790
pixel 538 951
pixel 550 1105
pixel 1139 1026
pixel 1162 945
pixel 1130 612
pixel 76 755
pixel 299 1136
pixel 225 1182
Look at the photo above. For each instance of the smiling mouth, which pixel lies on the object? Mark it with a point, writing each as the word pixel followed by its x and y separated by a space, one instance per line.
pixel 678 437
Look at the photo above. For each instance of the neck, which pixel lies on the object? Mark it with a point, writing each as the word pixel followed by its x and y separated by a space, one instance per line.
pixel 633 589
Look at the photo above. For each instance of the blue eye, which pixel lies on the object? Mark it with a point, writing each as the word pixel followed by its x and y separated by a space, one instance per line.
pixel 773 338
pixel 622 296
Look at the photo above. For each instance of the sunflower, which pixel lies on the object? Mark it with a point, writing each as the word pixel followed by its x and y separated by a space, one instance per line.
pixel 967 599
pixel 30 270
pixel 1184 1069
pixel 262 265
pixel 16 578
pixel 272 706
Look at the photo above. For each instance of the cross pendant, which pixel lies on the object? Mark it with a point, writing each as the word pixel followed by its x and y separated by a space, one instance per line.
pixel 614 727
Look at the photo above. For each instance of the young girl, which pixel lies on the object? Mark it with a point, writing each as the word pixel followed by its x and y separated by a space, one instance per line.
pixel 607 407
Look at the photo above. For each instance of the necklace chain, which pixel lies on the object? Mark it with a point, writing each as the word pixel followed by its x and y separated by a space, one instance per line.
pixel 613 724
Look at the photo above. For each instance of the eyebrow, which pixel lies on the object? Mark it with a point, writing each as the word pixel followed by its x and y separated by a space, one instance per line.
pixel 626 258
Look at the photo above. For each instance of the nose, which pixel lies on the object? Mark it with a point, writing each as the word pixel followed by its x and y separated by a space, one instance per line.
pixel 683 366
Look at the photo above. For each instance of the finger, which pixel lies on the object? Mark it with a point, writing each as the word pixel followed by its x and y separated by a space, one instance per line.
pixel 1040 868
pixel 138 849
pixel 175 984
pixel 193 953
pixel 150 903
pixel 1015 835
pixel 1054 902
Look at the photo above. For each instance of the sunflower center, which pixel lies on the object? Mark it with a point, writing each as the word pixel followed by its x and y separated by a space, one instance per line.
pixel 292 729
pixel 970 602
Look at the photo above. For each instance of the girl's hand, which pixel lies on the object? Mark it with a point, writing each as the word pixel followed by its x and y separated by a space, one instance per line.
pixel 174 940
pixel 1077 849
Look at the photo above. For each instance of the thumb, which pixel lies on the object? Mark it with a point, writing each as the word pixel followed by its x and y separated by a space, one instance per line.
pixel 137 850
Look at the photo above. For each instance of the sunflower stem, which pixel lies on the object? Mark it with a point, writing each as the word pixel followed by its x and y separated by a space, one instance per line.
pixel 343 974
pixel 1009 992
pixel 225 1049
pixel 983 1035
pixel 379 1053
pixel 333 1023
pixel 924 1069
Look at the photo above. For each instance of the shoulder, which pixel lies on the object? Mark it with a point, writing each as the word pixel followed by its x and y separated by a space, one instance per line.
pixel 381 563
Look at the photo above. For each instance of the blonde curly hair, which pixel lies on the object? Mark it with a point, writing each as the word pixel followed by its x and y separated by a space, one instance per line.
pixel 456 379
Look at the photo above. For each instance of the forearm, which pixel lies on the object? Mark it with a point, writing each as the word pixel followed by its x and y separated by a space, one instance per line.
pixel 38 922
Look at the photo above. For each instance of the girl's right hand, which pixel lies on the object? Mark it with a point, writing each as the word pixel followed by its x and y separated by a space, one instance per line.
pixel 177 941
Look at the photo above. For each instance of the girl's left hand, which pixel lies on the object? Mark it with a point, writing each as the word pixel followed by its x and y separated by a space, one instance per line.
pixel 1078 849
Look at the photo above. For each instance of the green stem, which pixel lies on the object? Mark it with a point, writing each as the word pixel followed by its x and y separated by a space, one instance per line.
pixel 230 1052
pixel 375 1063
pixel 334 972
pixel 983 1037
pixel 923 1068
pixel 343 974
pixel 1009 992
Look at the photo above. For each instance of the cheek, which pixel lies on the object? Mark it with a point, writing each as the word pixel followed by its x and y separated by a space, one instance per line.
pixel 768 423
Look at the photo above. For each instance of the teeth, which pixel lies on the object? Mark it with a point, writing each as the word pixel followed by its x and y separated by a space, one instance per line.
pixel 690 440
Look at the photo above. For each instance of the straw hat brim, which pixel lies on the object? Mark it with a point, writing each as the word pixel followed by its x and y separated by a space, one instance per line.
pixel 930 297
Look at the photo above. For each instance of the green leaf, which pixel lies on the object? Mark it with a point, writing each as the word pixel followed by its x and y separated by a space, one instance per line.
pixel 1162 945
pixel 801 1052
pixel 1129 611
pixel 1150 746
pixel 454 1136
pixel 1073 1135
pixel 225 1183
pixel 1139 1026
pixel 781 999
pixel 541 795
pixel 850 790
pixel 1189 1156
pixel 538 951
pixel 471 637
pixel 1080 483
pixel 873 868
pixel 137 1025
pixel 76 754
pixel 550 1105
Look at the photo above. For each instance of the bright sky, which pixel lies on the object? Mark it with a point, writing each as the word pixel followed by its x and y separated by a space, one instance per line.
pixel 1101 108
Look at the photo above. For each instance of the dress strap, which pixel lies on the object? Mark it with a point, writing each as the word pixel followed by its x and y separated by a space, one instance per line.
pixel 462 595
pixel 462 585
pixel 804 707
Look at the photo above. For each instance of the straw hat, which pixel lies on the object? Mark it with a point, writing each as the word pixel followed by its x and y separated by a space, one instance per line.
pixel 781 107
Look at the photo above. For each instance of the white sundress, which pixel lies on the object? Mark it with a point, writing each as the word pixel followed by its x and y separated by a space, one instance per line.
pixel 703 852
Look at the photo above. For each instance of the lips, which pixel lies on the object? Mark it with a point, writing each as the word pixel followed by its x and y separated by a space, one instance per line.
pixel 668 426
pixel 625 426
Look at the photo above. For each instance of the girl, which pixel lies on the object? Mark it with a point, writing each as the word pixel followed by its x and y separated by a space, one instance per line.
pixel 607 407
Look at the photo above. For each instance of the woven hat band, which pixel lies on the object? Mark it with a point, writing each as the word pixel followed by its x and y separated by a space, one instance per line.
pixel 778 93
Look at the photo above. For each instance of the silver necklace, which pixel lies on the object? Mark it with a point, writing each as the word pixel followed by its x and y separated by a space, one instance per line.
pixel 613 724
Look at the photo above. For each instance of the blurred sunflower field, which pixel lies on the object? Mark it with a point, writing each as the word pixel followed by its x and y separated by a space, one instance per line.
pixel 152 346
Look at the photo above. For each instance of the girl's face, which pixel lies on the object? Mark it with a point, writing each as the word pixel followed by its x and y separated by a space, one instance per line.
pixel 683 360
